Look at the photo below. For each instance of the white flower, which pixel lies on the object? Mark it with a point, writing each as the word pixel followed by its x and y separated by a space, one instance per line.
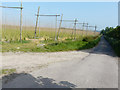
pixel 18 47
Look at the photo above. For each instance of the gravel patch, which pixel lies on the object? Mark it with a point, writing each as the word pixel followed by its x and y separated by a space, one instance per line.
pixel 27 62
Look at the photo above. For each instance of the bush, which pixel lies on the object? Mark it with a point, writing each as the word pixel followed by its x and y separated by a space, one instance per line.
pixel 89 38
pixel 112 35
pixel 91 44
pixel 115 44
pixel 73 45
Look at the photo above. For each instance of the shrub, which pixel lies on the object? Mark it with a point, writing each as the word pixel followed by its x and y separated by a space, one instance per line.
pixel 115 44
pixel 89 38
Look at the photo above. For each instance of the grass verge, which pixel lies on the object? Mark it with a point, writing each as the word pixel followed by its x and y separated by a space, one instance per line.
pixel 7 71
pixel 51 46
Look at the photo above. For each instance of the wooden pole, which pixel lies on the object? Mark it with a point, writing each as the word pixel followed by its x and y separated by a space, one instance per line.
pixel 95 30
pixel 87 30
pixel 83 28
pixel 72 31
pixel 56 29
pixel 37 21
pixel 75 29
pixel 20 17
pixel 39 27
pixel 21 22
pixel 59 26
pixel 83 25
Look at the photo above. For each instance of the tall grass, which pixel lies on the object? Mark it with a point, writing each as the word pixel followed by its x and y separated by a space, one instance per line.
pixel 12 33
pixel 45 39
pixel 50 46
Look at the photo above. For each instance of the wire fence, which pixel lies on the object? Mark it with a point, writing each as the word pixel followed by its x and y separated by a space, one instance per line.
pixel 47 28
pixel 12 33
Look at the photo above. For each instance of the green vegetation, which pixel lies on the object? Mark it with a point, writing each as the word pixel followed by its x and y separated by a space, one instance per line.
pixel 7 71
pixel 51 45
pixel 74 45
pixel 112 35
pixel 45 40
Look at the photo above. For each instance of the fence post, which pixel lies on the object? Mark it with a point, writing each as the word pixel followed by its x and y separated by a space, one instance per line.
pixel 56 29
pixel 59 26
pixel 83 28
pixel 21 22
pixel 87 30
pixel 95 30
pixel 75 29
pixel 37 21
pixel 39 27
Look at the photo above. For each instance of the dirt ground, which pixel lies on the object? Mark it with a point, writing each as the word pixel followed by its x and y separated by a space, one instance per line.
pixel 26 62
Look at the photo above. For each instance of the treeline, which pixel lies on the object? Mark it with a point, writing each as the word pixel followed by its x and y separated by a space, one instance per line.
pixel 112 35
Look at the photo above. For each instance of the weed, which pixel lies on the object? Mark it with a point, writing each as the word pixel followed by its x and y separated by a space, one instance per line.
pixel 8 71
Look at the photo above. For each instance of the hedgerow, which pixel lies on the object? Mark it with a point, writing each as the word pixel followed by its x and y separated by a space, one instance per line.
pixel 112 35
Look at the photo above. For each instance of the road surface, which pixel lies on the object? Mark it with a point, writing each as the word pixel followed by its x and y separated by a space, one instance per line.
pixel 98 69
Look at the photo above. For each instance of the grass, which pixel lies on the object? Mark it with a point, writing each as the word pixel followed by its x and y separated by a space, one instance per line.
pixel 50 46
pixel 12 33
pixel 73 45
pixel 45 42
pixel 7 71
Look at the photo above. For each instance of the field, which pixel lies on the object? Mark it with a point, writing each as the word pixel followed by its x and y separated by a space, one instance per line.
pixel 45 41
pixel 12 33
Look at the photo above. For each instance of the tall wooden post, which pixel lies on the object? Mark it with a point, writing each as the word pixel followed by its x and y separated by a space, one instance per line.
pixel 95 30
pixel 83 28
pixel 39 27
pixel 20 17
pixel 21 22
pixel 59 26
pixel 37 21
pixel 87 30
pixel 83 25
pixel 75 29
pixel 56 29
pixel 72 31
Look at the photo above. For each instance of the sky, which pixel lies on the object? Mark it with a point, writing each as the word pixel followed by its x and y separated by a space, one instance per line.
pixel 119 13
pixel 101 14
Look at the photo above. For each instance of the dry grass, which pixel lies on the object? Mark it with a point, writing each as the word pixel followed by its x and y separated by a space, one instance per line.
pixel 12 33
